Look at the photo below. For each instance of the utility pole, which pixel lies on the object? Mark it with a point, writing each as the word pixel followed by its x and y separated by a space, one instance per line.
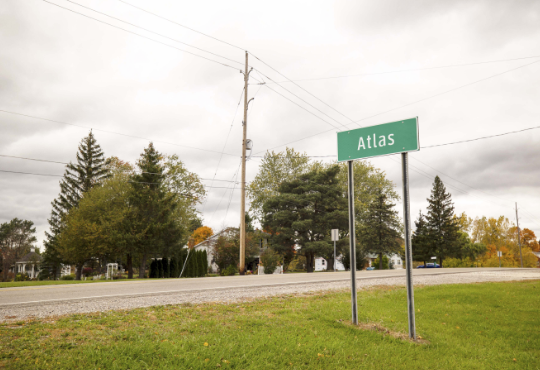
pixel 243 183
pixel 519 237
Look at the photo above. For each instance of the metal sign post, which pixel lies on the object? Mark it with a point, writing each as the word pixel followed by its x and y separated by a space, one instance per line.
pixel 366 142
pixel 408 249
pixel 352 235
pixel 335 238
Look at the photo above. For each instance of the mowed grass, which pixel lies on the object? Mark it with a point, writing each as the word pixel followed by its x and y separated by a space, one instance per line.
pixel 15 284
pixel 476 326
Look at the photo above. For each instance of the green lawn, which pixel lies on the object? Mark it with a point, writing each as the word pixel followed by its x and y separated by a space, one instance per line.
pixel 477 326
pixel 14 284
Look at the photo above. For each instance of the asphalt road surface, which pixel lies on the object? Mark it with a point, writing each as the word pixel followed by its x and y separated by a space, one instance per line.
pixel 37 295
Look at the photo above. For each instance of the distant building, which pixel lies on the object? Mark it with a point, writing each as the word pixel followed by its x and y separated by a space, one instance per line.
pixel 321 264
pixel 394 259
pixel 29 264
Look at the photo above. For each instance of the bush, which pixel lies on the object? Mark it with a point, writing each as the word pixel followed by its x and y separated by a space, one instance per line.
pixel 360 259
pixel 87 271
pixel 22 277
pixel 153 269
pixel 270 260
pixel 68 277
pixel 375 263
pixel 298 263
pixel 229 271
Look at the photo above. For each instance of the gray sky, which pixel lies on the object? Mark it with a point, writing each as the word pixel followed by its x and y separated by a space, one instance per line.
pixel 59 65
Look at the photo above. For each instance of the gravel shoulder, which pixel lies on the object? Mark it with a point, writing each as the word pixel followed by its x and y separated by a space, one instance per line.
pixel 44 310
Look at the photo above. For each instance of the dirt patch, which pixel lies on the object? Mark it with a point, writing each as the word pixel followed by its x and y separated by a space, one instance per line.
pixel 385 331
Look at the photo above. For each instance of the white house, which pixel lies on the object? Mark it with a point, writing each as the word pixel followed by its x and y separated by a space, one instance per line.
pixel 321 264
pixel 394 259
pixel 29 264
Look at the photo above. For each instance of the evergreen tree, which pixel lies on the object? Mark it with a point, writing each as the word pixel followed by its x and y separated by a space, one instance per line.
pixel 173 268
pixel 381 231
pixel 304 213
pixel 160 268
pixel 205 262
pixel 154 208
pixel 421 245
pixel 78 179
pixel 153 269
pixel 166 268
pixel 442 226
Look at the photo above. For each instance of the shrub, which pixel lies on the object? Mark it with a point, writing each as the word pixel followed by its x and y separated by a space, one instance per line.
pixel 87 271
pixel 153 269
pixel 298 263
pixel 270 260
pixel 68 277
pixel 22 277
pixel 159 269
pixel 375 264
pixel 229 271
pixel 173 267
pixel 166 270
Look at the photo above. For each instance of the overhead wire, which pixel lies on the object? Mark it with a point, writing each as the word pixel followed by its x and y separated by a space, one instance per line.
pixel 415 102
pixel 409 70
pixel 115 133
pixel 138 34
pixel 181 25
pixel 155 33
pixel 226 140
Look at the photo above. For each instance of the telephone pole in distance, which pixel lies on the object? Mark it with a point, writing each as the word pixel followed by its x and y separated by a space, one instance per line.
pixel 242 264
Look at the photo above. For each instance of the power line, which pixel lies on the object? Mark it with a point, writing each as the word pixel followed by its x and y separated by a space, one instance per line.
pixel 181 25
pixel 115 133
pixel 408 70
pixel 451 90
pixel 415 102
pixel 322 119
pixel 191 29
pixel 155 33
pixel 153 183
pixel 144 37
pixel 226 140
pixel 482 138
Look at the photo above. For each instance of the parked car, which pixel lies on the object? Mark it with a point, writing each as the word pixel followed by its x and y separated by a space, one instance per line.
pixel 370 268
pixel 429 266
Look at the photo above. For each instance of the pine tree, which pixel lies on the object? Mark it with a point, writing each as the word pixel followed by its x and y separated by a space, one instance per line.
pixel 153 269
pixel 205 262
pixel 441 224
pixel 381 231
pixel 78 179
pixel 160 268
pixel 166 268
pixel 154 207
pixel 173 268
pixel 421 246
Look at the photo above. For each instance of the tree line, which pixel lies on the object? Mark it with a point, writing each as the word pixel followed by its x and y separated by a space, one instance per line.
pixel 109 210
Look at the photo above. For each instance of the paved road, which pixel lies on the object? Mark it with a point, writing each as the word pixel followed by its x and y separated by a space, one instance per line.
pixel 29 296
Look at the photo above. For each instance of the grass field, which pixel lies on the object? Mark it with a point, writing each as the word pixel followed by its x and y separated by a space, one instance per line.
pixel 476 326
pixel 14 284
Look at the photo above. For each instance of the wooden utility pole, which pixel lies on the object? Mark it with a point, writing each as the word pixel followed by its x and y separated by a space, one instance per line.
pixel 519 237
pixel 242 264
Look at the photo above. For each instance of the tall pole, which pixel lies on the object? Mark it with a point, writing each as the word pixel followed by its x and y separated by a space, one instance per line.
pixel 243 183
pixel 352 234
pixel 408 249
pixel 519 237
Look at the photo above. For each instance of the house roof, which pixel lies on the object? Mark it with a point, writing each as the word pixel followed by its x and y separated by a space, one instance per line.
pixel 30 257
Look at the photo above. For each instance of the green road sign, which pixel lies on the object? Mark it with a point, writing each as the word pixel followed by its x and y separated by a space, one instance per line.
pixel 388 138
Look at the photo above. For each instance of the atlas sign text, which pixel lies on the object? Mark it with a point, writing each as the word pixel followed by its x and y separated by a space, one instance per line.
pixel 388 138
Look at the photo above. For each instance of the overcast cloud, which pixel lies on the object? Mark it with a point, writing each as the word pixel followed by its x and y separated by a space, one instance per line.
pixel 59 65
